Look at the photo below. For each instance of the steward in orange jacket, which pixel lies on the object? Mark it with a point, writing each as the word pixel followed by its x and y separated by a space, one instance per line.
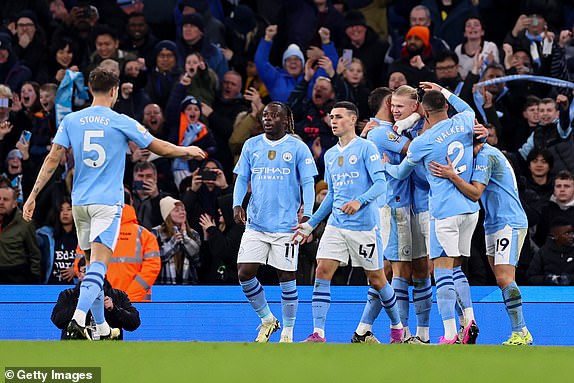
pixel 135 263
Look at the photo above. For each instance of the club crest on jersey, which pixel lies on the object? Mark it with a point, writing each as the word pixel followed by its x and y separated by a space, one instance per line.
pixel 287 156
pixel 340 160
pixel 392 136
pixel 353 159
pixel 271 154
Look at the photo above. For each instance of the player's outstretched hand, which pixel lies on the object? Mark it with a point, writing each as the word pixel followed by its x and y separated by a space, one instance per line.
pixel 28 209
pixel 239 215
pixel 426 86
pixel 385 158
pixel 442 171
pixel 302 233
pixel 351 207
pixel 195 152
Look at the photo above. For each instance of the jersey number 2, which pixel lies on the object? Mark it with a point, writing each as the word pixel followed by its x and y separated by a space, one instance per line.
pixel 457 145
pixel 90 146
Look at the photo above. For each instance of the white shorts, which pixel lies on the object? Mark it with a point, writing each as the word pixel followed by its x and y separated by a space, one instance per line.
pixel 505 245
pixel 420 228
pixel 97 223
pixel 273 249
pixel 396 233
pixel 450 237
pixel 364 248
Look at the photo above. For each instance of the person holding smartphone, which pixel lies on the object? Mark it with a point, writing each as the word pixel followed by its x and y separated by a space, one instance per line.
pixel 200 192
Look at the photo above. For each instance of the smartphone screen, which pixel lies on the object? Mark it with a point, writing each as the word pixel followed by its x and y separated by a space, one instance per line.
pixel 25 136
pixel 348 56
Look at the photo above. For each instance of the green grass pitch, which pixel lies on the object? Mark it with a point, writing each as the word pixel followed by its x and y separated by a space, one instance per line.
pixel 192 362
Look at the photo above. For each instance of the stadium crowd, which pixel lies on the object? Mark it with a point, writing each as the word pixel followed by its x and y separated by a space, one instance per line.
pixel 201 72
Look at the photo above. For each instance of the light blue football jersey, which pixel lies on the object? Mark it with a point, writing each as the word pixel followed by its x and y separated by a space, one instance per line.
pixel 420 187
pixel 452 137
pixel 275 169
pixel 500 197
pixel 99 140
pixel 349 172
pixel 389 142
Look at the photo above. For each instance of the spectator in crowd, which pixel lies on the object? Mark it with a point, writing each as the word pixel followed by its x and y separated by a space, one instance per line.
pixel 223 239
pixel 538 182
pixel 447 71
pixel 63 56
pixel 146 195
pixel 419 16
pixel 417 57
pixel 213 27
pixel 247 124
pixel 119 312
pixel 244 30
pixel 554 263
pixel 139 39
pixel 57 243
pixel 561 204
pixel 201 190
pixel 228 104
pixel 396 79
pixel 107 47
pixel 179 245
pixel 133 97
pixel 13 72
pixel 350 85
pixel 30 44
pixel 194 39
pixel 19 253
pixel 163 73
pixel 513 140
pixel 366 46
pixel 43 126
pixel 185 128
pixel 80 27
pixel 281 82
pixel 154 121
pixel 135 262
pixel 553 133
pixel 309 112
pixel 529 34
pixel 204 81
pixel 474 44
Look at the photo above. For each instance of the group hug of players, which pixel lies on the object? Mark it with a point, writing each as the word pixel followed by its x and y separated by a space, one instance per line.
pixel 406 190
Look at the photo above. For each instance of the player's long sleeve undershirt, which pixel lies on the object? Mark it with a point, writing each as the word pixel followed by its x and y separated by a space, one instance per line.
pixel 240 189
pixel 308 184
pixel 400 171
pixel 324 209
pixel 374 191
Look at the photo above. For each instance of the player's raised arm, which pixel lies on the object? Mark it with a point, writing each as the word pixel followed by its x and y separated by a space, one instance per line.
pixel 49 166
pixel 167 149
pixel 457 103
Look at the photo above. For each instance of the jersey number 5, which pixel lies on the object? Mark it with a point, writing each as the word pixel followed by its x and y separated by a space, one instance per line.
pixel 90 146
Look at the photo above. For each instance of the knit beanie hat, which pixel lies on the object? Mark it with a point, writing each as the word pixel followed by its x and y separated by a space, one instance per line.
pixel 293 50
pixel 194 19
pixel 188 101
pixel 421 32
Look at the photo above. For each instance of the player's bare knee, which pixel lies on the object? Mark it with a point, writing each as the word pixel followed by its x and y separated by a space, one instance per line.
pixel 246 271
pixel 420 268
pixel 286 276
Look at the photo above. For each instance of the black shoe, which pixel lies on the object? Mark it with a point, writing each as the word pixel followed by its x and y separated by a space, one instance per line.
pixel 367 337
pixel 76 332
pixel 470 333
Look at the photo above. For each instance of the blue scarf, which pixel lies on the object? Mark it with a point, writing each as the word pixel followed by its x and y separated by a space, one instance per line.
pixel 72 85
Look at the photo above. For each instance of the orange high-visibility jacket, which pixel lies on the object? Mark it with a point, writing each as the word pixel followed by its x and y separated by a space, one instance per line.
pixel 135 263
